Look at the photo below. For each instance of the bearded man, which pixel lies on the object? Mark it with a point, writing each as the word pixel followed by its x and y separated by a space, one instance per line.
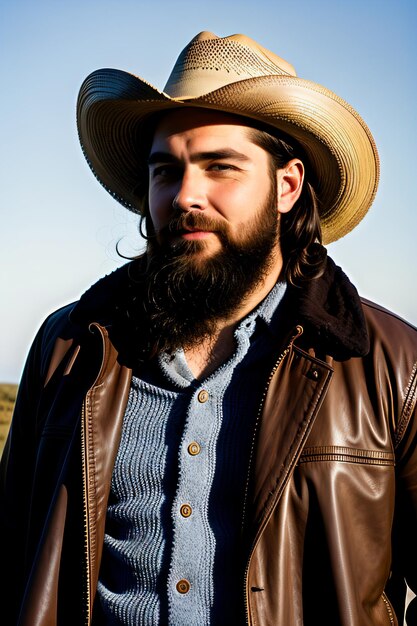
pixel 221 431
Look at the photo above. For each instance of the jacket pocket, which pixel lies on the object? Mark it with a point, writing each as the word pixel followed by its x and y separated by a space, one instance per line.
pixel 347 455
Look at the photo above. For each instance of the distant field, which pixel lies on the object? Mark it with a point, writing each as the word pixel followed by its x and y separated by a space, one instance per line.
pixel 7 400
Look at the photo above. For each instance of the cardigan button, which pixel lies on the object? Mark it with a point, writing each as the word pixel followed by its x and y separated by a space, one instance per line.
pixel 186 510
pixel 194 448
pixel 183 586
pixel 203 396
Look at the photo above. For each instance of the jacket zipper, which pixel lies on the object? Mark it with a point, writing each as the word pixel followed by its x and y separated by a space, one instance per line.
pixel 86 592
pixel 298 332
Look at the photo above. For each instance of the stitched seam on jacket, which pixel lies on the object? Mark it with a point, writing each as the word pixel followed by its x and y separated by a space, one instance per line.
pixel 348 455
pixel 388 608
pixel 91 478
pixel 409 403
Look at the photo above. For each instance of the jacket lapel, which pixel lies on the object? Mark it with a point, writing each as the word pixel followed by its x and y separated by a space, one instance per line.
pixel 295 393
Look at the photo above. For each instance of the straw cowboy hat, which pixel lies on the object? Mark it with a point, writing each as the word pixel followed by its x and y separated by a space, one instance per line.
pixel 235 75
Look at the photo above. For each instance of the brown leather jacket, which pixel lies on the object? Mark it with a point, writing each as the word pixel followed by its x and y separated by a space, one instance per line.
pixel 330 521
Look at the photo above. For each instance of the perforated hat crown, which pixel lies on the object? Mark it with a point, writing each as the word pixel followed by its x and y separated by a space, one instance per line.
pixel 219 61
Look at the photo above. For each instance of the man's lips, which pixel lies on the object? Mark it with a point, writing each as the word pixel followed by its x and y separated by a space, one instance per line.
pixel 193 233
pixel 196 234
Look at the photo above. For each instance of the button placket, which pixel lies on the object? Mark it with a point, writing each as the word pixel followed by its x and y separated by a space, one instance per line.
pixel 190 514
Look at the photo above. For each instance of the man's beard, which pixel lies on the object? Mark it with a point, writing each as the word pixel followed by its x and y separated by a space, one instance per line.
pixel 185 293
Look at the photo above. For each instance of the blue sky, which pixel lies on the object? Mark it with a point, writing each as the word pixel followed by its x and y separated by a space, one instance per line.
pixel 60 228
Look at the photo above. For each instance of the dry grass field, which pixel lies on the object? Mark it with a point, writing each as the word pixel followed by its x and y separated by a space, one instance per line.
pixel 7 400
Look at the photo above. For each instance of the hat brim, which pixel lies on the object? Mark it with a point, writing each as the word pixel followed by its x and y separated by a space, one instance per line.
pixel 113 104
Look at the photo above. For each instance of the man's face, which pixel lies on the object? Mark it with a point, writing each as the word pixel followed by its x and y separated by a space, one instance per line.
pixel 213 243
pixel 209 184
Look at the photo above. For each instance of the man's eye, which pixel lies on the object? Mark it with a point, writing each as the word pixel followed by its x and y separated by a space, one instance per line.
pixel 165 171
pixel 221 167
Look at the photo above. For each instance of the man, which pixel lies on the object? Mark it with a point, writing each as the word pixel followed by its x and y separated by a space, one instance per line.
pixel 220 432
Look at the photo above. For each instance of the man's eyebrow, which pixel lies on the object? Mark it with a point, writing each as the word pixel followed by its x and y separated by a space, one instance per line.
pixel 161 157
pixel 209 155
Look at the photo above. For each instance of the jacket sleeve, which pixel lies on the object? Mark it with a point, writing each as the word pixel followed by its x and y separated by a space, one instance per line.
pixel 18 465
pixel 405 523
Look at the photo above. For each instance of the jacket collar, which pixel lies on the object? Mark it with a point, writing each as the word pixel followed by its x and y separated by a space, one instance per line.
pixel 330 311
pixel 328 308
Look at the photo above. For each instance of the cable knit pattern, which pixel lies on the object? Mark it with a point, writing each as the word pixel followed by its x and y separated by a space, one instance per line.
pixel 151 541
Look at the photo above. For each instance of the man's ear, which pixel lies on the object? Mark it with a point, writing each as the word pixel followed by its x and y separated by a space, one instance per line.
pixel 290 182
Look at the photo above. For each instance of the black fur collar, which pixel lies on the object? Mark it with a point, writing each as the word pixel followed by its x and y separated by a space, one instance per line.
pixel 328 308
pixel 330 311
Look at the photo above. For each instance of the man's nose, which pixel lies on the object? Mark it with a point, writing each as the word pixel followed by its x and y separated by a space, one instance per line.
pixel 191 193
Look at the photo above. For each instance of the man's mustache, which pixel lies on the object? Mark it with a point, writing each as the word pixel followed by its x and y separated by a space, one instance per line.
pixel 193 220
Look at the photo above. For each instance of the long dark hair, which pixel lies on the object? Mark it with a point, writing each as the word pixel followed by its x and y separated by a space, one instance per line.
pixel 300 228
